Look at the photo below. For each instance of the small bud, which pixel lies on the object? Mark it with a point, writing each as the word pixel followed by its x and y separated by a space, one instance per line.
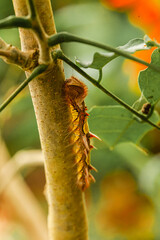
pixel 146 108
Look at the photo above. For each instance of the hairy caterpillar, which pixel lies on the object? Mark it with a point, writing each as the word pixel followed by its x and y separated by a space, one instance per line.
pixel 76 91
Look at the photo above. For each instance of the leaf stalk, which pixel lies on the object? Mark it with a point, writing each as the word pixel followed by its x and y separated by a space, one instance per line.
pixel 67 37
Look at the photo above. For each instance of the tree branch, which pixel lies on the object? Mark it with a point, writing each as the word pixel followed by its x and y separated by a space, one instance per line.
pixel 12 55
pixel 41 36
pixel 67 216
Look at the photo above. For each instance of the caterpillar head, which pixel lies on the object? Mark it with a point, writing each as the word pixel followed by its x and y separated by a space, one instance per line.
pixel 76 90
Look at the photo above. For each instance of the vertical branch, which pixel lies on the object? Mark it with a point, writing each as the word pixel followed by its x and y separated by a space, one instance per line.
pixel 67 217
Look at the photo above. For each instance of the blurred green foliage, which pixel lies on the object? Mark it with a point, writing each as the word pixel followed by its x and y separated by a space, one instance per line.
pixel 116 124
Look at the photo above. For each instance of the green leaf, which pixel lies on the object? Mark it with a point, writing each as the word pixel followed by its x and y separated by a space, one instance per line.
pixel 133 155
pixel 149 80
pixel 150 43
pixel 101 59
pixel 115 124
pixel 138 104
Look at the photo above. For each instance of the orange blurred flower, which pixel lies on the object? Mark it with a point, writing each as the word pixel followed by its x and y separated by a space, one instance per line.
pixel 5 217
pixel 146 15
pixel 124 211
pixel 120 4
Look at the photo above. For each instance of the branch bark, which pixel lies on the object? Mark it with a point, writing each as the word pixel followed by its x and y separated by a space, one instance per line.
pixel 67 215
pixel 12 55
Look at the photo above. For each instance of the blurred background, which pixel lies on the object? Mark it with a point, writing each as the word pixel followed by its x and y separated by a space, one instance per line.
pixel 124 203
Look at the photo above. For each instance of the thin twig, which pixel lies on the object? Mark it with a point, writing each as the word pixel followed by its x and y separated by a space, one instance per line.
pixel 67 37
pixel 14 22
pixel 59 54
pixel 100 75
pixel 41 36
pixel 37 71
pixel 32 9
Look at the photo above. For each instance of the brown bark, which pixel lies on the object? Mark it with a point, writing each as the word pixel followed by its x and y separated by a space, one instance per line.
pixel 67 217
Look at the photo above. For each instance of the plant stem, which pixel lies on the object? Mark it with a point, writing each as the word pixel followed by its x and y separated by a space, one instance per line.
pixel 32 10
pixel 40 69
pixel 13 22
pixel 59 54
pixel 67 37
pixel 67 214
pixel 100 75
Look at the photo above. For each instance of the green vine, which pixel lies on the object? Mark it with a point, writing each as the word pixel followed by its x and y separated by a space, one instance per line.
pixel 67 37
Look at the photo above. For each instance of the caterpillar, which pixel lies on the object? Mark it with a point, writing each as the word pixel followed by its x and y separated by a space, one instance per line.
pixel 76 91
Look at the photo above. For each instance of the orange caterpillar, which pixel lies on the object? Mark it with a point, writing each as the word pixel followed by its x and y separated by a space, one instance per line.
pixel 76 91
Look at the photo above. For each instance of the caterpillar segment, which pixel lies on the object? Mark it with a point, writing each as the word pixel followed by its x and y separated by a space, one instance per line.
pixel 76 91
